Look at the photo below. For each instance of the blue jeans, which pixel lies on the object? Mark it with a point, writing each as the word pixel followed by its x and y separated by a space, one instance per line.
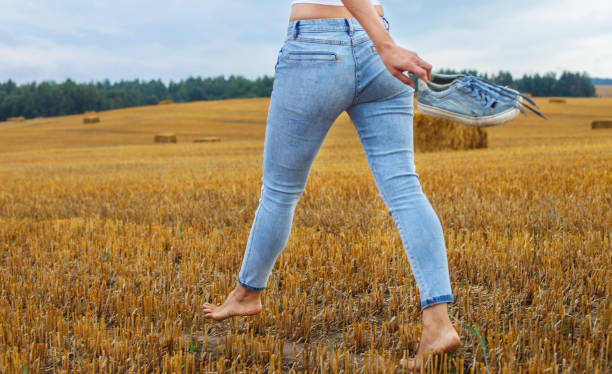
pixel 325 67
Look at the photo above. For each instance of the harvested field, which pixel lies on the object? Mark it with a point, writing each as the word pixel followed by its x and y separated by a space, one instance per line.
pixel 603 91
pixel 557 101
pixel 110 244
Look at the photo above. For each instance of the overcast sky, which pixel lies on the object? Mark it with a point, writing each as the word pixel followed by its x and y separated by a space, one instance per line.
pixel 90 40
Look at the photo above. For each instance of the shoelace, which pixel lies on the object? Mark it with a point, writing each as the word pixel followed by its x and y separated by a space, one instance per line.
pixel 489 92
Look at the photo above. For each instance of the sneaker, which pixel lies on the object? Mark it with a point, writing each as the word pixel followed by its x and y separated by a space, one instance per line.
pixel 470 100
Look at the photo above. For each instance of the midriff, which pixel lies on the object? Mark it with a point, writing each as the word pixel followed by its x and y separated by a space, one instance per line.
pixel 314 11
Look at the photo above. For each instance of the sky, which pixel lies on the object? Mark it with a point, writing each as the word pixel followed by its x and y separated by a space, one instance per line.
pixel 93 40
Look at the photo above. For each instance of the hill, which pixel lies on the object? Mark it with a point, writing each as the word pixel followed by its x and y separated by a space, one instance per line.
pixel 602 81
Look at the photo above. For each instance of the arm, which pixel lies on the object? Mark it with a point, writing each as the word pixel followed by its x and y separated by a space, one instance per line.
pixel 396 59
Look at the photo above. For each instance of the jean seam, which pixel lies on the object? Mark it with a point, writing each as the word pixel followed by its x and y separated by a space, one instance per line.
pixel 416 270
pixel 250 246
pixel 249 287
pixel 356 94
pixel 320 41
pixel 447 298
pixel 361 40
pixel 331 56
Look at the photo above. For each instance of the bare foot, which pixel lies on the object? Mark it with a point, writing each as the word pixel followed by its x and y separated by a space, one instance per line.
pixel 438 336
pixel 240 302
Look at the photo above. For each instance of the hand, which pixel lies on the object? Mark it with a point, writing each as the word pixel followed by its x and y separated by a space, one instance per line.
pixel 399 60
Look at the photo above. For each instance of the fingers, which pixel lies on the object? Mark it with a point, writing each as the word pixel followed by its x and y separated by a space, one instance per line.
pixel 425 66
pixel 399 60
pixel 413 69
pixel 420 72
pixel 404 78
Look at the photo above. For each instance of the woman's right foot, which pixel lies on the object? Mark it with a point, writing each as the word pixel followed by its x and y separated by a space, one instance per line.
pixel 438 336
pixel 240 302
pixel 438 342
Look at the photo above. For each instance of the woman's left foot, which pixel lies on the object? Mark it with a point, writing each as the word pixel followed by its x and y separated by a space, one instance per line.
pixel 240 302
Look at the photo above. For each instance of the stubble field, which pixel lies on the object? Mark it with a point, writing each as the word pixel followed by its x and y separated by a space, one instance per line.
pixel 110 244
pixel 603 91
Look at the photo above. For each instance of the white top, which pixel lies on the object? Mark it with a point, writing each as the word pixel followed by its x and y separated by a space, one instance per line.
pixel 326 2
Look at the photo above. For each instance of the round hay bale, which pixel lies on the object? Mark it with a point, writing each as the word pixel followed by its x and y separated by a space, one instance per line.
pixel 208 139
pixel 15 119
pixel 556 101
pixel 166 137
pixel 165 102
pixel 601 124
pixel 91 119
pixel 436 134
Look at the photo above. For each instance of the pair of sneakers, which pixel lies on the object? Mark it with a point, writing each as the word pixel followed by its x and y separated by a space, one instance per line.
pixel 470 100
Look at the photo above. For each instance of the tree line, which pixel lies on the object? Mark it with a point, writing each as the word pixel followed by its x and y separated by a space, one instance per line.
pixel 47 99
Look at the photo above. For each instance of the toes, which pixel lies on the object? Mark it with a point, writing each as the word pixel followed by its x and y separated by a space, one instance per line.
pixel 409 364
pixel 208 310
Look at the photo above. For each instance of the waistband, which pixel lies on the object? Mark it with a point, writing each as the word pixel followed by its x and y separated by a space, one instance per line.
pixel 348 25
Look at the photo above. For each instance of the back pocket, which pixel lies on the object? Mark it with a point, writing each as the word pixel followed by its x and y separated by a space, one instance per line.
pixel 311 56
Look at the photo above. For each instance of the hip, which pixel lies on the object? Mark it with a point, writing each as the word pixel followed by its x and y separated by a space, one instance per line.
pixel 315 11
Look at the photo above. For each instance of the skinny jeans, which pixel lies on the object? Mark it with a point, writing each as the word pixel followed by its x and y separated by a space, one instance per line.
pixel 326 67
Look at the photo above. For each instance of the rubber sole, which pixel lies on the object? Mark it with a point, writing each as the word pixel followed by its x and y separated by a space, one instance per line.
pixel 485 121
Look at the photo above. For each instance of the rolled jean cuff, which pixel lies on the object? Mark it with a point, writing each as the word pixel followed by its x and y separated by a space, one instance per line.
pixel 437 300
pixel 250 287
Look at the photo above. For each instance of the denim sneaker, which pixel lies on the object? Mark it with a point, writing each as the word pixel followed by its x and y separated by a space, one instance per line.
pixel 470 100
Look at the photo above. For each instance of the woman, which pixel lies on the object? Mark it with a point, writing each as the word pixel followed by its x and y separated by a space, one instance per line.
pixel 338 57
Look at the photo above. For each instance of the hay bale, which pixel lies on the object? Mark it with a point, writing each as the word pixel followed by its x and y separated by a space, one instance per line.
pixel 208 139
pixel 556 101
pixel 166 137
pixel 436 134
pixel 601 124
pixel 15 119
pixel 165 102
pixel 91 119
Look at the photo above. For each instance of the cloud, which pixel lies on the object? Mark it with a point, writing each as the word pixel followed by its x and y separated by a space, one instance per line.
pixel 526 38
pixel 41 40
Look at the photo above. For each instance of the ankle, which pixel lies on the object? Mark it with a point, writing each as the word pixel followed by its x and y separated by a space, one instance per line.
pixel 436 316
pixel 242 293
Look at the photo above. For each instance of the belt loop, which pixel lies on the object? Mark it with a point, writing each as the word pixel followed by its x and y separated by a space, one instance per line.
pixel 387 26
pixel 350 25
pixel 295 29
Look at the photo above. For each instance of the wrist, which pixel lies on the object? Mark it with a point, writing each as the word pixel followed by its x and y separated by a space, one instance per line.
pixel 385 45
